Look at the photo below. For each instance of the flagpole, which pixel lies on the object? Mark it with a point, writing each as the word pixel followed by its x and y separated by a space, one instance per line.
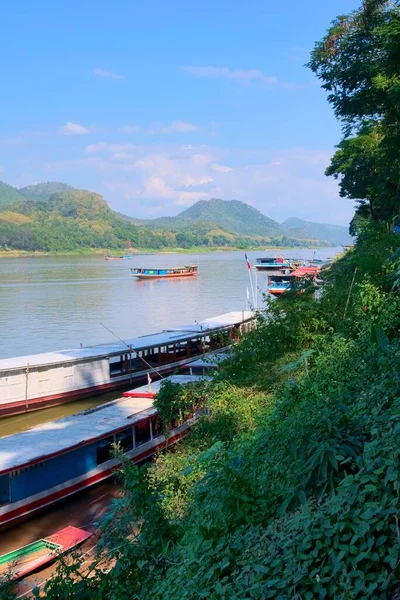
pixel 252 287
pixel 256 289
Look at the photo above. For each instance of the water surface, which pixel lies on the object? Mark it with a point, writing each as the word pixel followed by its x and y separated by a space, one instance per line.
pixel 53 302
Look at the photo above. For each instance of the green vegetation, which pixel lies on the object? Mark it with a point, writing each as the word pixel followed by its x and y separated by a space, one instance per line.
pixel 288 486
pixel 44 191
pixel 232 215
pixel 358 62
pixel 8 195
pixel 244 220
pixel 54 217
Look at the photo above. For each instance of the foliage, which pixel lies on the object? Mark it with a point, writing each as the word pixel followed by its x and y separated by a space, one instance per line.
pixel 358 63
pixel 288 486
pixel 8 195
pixel 44 191
pixel 56 217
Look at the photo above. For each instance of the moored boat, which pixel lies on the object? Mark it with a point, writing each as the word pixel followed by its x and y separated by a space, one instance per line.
pixel 279 284
pixel 57 459
pixel 39 554
pixel 42 380
pixel 165 273
pixel 277 264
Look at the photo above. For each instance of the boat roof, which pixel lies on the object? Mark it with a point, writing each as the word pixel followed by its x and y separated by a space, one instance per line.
pixel 155 386
pixel 58 436
pixel 163 338
pixel 301 271
pixel 165 268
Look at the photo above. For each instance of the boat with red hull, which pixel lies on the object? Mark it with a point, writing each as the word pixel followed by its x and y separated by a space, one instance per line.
pixel 39 554
pixel 39 381
pixel 165 273
pixel 54 460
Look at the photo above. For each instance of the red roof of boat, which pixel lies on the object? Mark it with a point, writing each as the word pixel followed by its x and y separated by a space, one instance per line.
pixel 301 271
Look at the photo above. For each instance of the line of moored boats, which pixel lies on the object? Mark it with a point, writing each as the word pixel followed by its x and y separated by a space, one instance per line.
pixel 284 274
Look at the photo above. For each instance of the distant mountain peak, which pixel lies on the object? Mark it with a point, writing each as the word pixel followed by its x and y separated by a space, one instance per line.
pixel 44 190
pixel 336 234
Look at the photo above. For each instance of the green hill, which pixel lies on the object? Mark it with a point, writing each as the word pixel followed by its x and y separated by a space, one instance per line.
pixel 43 191
pixel 336 234
pixel 76 219
pixel 55 216
pixel 8 195
pixel 231 215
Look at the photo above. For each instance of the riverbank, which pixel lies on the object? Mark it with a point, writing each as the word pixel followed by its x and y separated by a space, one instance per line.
pixel 291 477
pixel 137 251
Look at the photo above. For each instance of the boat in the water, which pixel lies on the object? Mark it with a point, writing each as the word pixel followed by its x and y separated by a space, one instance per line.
pixel 26 560
pixel 38 381
pixel 279 284
pixel 123 257
pixel 165 273
pixel 276 264
pixel 57 459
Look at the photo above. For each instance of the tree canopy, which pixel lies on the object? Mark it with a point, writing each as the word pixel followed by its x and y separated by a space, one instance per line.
pixel 358 61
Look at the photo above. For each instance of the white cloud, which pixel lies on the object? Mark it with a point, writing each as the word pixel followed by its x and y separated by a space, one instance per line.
pixel 221 168
pixel 109 74
pixel 74 129
pixel 239 76
pixel 128 129
pixel 175 127
pixel 157 179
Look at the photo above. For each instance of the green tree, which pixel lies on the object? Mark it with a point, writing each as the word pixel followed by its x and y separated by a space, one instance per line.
pixel 358 62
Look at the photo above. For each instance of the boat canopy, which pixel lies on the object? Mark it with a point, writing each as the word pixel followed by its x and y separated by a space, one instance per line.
pixel 163 338
pixel 54 437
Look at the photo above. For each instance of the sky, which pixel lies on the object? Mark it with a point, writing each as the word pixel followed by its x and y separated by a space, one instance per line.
pixel 157 104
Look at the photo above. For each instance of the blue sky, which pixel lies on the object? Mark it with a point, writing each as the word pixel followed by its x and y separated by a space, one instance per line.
pixel 158 104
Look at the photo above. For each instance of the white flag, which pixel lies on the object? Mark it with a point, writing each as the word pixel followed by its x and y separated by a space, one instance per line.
pixel 248 294
pixel 149 379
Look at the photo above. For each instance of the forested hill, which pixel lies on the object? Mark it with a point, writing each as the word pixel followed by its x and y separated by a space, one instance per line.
pixel 233 215
pixel 55 216
pixel 319 231
pixel 8 195
pixel 44 191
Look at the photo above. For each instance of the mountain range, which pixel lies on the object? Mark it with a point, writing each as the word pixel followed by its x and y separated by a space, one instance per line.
pixel 55 216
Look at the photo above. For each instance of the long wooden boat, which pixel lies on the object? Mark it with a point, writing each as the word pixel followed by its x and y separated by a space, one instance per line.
pixel 57 459
pixel 123 257
pixel 165 273
pixel 25 560
pixel 276 264
pixel 38 381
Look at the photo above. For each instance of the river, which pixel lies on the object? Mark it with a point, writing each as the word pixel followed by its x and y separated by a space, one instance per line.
pixel 55 302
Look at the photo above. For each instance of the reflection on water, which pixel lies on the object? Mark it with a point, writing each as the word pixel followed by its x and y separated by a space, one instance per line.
pixel 49 303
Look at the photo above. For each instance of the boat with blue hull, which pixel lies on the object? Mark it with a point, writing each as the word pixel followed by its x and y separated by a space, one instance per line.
pixel 57 459
pixel 165 272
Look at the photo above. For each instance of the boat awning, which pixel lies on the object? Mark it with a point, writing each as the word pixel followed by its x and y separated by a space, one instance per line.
pixel 153 389
pixel 162 338
pixel 303 271
pixel 54 437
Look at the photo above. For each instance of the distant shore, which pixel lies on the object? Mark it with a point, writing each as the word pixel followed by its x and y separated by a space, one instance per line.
pixel 116 252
